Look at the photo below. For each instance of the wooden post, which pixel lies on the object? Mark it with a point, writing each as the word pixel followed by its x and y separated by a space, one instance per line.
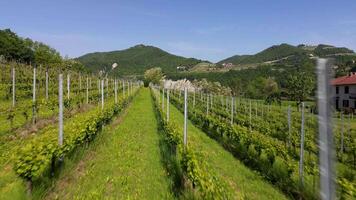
pixel 326 148
pixel 185 116
pixel 301 147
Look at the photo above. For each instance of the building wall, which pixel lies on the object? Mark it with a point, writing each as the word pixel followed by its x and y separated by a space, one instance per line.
pixel 342 96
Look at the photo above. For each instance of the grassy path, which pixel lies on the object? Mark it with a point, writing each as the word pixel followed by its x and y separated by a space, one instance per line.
pixel 245 182
pixel 125 164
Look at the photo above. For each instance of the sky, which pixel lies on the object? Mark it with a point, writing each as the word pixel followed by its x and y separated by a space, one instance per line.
pixel 208 30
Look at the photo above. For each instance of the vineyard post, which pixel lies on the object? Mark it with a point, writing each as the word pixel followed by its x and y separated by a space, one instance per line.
pixel 326 152
pixel 115 85
pixel 194 98
pixel 68 86
pixel 13 86
pixel 167 104
pixel 250 115
pixel 99 92
pixel 301 147
pixel 342 135
pixel 256 108
pixel 60 111
pixel 102 94
pixel 80 83
pixel 107 86
pixel 207 104
pixel 123 89
pixel 185 116
pixel 47 79
pixel 211 100
pixel 87 90
pixel 163 99
pixel 34 96
pixel 232 110
pixel 349 127
pixel 289 125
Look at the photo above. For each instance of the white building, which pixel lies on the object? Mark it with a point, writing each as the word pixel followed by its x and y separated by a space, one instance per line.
pixel 344 92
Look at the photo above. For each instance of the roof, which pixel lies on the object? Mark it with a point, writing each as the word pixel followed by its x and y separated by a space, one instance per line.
pixel 345 80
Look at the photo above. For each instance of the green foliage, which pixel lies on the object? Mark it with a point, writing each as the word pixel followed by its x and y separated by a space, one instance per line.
pixel 272 53
pixel 13 47
pixel 35 158
pixel 300 86
pixel 153 75
pixel 135 60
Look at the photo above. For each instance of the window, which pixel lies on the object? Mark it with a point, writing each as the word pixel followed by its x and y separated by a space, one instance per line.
pixel 337 89
pixel 345 103
pixel 346 89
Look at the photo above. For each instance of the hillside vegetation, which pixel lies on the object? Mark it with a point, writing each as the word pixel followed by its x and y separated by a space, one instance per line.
pixel 136 60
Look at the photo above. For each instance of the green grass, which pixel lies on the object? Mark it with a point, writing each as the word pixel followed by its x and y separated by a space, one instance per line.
pixel 247 184
pixel 125 163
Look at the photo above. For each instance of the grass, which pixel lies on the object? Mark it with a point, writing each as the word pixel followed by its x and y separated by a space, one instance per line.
pixel 125 162
pixel 245 182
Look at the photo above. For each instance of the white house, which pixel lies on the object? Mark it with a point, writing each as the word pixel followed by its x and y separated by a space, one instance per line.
pixel 344 92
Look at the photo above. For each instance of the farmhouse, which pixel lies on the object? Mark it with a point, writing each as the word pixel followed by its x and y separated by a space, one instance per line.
pixel 344 92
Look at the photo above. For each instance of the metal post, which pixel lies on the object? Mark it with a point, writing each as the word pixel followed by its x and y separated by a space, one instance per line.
pixel 13 87
pixel 60 104
pixel 301 147
pixel 102 94
pixel 167 105
pixel 185 116
pixel 326 151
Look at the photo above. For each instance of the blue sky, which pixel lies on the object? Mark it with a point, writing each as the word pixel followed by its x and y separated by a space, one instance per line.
pixel 210 30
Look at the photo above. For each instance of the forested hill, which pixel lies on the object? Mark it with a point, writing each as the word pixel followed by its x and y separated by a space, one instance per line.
pixel 135 60
pixel 285 51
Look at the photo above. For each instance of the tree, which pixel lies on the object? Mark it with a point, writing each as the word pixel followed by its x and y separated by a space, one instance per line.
pixel 299 86
pixel 153 75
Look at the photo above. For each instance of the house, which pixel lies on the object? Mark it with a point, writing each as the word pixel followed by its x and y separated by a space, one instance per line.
pixel 344 92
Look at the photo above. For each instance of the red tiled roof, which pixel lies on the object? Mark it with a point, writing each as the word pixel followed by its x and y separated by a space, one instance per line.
pixel 345 80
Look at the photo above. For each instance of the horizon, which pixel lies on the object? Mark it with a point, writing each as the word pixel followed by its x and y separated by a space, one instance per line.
pixel 212 31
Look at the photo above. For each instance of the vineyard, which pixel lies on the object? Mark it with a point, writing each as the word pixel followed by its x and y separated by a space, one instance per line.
pixel 74 135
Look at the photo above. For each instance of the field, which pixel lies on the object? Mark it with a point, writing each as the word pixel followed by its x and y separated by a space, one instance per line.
pixel 123 141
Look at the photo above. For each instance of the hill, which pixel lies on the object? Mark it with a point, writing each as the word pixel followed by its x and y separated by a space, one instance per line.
pixel 135 60
pixel 286 52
